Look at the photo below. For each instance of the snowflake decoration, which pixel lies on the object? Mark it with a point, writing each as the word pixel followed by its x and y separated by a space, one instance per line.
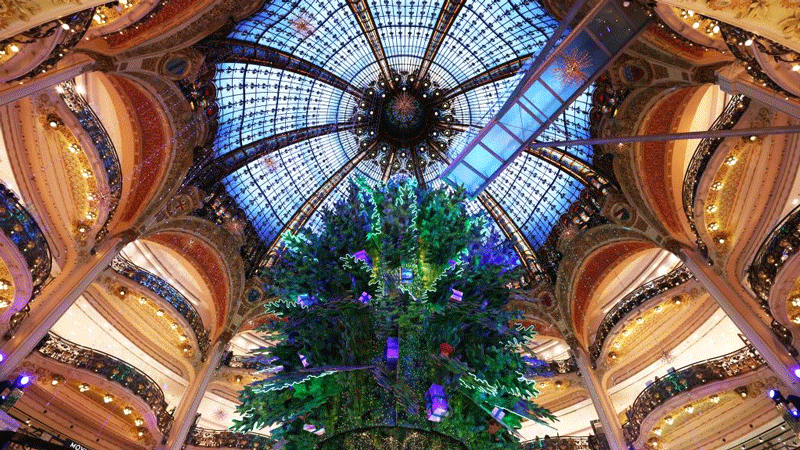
pixel 220 414
pixel 302 24
pixel 571 67
pixel 269 164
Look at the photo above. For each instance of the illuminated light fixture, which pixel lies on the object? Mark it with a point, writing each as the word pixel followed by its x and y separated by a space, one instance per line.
pixel 689 409
pixel 612 355
pixel 617 344
pixel 716 29
pixel 173 325
pixel 14 48
pixel 2 357
pixel 182 338
pixel 4 285
pixel 696 25
pixel 796 301
pixel 640 320
pixel 731 160
pixel 753 138
pixel 127 410
pixel 91 215
pixel 53 121
pixel 657 308
pixel 690 13
pixel 91 197
pixel 3 304
pixel 797 372
pixel 676 300
pixel 85 173
pixel 138 422
pixel 716 186
pixel 720 240
pixel 657 431
pixel 796 318
pixel 108 398
pixel 141 433
pixel 669 420
pixel 796 68
pixel 74 148
pixel 142 300
pixel 122 291
pixel 626 332
pixel 713 226
pixel 714 398
pixel 160 313
pixel 83 387
pixel 711 209
pixel 748 42
pixel 542 385
pixel 23 380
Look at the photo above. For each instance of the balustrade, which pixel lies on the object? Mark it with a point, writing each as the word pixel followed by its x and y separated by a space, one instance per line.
pixel 633 300
pixel 113 369
pixel 733 111
pixel 91 124
pixel 24 232
pixel 566 443
pixel 166 291
pixel 202 437
pixel 736 363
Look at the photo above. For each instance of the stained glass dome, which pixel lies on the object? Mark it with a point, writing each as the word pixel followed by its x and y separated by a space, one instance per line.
pixel 311 94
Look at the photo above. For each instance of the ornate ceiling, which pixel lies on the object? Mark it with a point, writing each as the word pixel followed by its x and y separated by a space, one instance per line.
pixel 311 94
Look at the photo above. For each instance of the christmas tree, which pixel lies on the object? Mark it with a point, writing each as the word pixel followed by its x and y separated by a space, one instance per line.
pixel 394 330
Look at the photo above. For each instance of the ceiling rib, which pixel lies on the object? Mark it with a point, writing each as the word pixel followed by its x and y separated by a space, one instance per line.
pixel 253 53
pixel 447 15
pixel 496 73
pixel 365 20
pixel 234 160
pixel 576 167
pixel 312 204
pixel 509 228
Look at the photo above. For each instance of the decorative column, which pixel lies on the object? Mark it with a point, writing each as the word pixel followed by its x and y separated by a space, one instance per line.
pixel 193 395
pixel 748 322
pixel 55 299
pixel 602 402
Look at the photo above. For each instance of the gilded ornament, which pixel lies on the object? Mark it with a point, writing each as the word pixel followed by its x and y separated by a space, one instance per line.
pixel 791 25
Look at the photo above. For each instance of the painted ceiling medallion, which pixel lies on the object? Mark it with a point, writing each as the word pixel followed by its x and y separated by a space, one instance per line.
pixel 404 125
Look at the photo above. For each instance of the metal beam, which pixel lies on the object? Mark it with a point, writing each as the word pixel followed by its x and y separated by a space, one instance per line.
pixel 710 134
pixel 524 249
pixel 312 204
pixel 497 73
pixel 365 20
pixel 234 160
pixel 576 167
pixel 234 50
pixel 447 15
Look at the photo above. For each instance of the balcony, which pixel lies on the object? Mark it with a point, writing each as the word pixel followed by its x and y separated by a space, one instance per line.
pixel 734 364
pixel 94 129
pixel 20 227
pixel 113 369
pixel 166 291
pixel 733 111
pixel 634 300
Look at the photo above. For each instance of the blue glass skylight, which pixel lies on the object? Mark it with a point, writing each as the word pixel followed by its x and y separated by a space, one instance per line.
pixel 258 100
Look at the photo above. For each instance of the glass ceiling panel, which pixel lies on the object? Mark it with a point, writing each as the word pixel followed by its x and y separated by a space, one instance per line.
pixel 573 124
pixel 273 188
pixel 257 102
pixel 534 194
